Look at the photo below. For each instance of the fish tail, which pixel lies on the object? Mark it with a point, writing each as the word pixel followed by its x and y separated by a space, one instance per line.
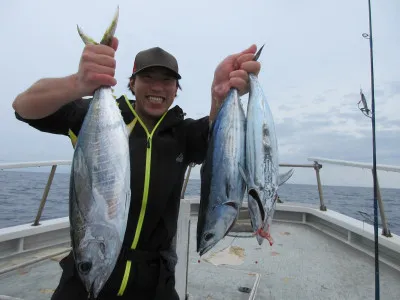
pixel 108 35
pixel 258 53
pixel 85 38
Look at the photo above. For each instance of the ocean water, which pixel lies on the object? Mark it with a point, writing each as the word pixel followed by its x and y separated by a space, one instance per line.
pixel 21 193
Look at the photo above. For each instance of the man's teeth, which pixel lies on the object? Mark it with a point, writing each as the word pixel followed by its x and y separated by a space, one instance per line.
pixel 155 99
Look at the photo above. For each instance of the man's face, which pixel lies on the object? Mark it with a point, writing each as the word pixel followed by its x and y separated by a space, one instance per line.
pixel 155 90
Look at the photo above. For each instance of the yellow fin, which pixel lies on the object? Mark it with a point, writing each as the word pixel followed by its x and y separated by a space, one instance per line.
pixel 130 126
pixel 73 138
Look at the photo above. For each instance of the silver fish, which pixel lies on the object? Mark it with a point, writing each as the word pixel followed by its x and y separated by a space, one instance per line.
pixel 223 187
pixel 99 186
pixel 262 166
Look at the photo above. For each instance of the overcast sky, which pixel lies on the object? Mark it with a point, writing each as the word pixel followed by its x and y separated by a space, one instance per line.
pixel 313 65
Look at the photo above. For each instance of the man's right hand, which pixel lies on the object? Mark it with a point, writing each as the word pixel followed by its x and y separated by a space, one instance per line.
pixel 96 68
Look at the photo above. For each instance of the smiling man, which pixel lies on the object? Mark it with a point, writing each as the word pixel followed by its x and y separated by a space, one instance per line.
pixel 162 144
pixel 154 82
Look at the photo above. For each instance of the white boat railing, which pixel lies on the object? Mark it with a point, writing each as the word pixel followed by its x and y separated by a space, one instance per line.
pixel 53 164
pixel 354 164
pixel 316 166
pixel 388 168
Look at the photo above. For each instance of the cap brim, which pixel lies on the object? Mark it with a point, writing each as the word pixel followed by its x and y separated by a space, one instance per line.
pixel 177 75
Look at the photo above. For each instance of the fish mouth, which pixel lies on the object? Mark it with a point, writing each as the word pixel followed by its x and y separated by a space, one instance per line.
pixel 221 219
pixel 259 238
pixel 155 99
pixel 89 286
pixel 209 236
pixel 264 234
pixel 91 290
pixel 207 242
pixel 95 288
pixel 206 249
pixel 210 239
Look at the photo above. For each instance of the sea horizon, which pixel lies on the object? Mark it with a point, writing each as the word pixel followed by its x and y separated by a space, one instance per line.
pixel 21 193
pixel 58 172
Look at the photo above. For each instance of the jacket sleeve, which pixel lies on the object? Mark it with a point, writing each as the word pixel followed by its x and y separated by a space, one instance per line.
pixel 197 139
pixel 68 118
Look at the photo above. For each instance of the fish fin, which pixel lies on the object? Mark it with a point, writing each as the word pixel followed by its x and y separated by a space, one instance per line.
pixel 130 126
pixel 73 142
pixel 285 177
pixel 73 137
pixel 127 201
pixel 236 207
pixel 211 126
pixel 231 204
pixel 227 189
pixel 229 229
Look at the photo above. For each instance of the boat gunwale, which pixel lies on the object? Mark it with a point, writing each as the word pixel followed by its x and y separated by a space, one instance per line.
pixel 343 221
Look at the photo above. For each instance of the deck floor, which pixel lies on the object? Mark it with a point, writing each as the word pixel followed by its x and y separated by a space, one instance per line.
pixel 303 263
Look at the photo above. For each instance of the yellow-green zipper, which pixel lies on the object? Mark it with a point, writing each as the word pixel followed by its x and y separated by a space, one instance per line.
pixel 145 192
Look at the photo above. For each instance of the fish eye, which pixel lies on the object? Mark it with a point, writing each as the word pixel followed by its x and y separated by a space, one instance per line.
pixel 208 236
pixel 85 267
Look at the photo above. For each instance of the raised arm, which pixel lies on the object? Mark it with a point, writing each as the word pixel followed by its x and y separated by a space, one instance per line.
pixel 47 95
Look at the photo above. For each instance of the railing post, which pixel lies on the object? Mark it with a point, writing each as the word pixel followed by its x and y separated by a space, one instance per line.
pixel 385 227
pixel 45 194
pixel 318 166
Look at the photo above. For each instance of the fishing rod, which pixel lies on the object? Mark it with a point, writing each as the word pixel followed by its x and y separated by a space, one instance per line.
pixel 369 37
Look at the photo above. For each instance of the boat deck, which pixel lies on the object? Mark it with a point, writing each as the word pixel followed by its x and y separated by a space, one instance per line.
pixel 303 263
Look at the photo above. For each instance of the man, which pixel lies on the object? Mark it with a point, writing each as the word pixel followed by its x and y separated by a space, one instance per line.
pixel 145 267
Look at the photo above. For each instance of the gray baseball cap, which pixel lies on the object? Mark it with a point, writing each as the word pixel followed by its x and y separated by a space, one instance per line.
pixel 155 57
